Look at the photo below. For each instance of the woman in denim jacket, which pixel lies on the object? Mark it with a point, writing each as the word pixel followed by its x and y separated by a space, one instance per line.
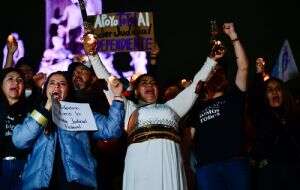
pixel 61 159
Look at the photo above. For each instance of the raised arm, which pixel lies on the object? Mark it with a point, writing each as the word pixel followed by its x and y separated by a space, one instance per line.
pixel 90 45
pixel 111 126
pixel 12 46
pixel 99 68
pixel 185 99
pixel 241 58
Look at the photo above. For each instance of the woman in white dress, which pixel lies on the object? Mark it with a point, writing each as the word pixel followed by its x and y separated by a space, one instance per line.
pixel 153 159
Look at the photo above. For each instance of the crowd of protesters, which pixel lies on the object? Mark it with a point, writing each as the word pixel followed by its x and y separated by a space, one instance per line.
pixel 208 133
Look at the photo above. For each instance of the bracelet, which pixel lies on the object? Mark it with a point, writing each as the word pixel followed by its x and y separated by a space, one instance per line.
pixel 118 96
pixel 39 118
pixel 236 39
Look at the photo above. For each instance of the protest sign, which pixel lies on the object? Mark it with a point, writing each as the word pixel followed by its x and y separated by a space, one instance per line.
pixel 73 116
pixel 123 32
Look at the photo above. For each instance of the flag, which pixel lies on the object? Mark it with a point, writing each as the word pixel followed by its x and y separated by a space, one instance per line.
pixel 285 67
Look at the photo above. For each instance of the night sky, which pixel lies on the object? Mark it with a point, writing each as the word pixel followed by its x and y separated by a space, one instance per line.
pixel 182 28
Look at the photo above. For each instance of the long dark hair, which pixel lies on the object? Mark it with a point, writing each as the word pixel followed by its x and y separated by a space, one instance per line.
pixel 288 104
pixel 3 74
pixel 69 83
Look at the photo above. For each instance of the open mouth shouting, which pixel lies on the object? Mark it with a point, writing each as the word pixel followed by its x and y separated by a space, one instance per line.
pixel 57 95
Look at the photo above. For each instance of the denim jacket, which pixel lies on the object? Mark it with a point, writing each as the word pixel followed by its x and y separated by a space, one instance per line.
pixel 79 164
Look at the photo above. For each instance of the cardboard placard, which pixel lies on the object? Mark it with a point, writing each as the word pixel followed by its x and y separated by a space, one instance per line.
pixel 123 32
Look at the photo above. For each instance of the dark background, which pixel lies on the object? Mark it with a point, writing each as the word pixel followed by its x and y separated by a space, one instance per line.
pixel 181 27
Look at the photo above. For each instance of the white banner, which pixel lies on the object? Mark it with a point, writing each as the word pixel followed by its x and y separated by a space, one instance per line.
pixel 73 116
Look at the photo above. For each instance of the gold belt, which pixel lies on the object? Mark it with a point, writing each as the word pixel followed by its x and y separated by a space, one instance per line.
pixel 153 132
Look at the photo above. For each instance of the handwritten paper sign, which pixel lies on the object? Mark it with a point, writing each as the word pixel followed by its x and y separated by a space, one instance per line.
pixel 123 32
pixel 73 116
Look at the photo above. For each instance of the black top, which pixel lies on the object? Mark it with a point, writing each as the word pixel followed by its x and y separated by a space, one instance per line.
pixel 256 96
pixel 277 137
pixel 219 132
pixel 10 116
pixel 94 96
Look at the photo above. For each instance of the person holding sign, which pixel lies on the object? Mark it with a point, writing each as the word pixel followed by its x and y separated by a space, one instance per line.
pixel 153 159
pixel 61 159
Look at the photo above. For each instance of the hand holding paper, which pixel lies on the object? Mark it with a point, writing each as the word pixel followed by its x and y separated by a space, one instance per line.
pixel 72 116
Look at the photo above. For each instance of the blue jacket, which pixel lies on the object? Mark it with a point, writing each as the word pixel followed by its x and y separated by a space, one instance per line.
pixel 79 164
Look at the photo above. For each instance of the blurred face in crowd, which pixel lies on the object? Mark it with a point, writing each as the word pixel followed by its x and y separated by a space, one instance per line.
pixel 260 65
pixel 147 89
pixel 82 78
pixel 216 83
pixel 274 94
pixel 26 71
pixel 171 92
pixel 58 87
pixel 13 86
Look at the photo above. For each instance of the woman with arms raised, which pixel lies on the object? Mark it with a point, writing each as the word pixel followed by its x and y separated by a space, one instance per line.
pixel 153 159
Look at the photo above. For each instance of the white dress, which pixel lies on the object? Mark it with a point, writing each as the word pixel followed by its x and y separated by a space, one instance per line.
pixel 156 164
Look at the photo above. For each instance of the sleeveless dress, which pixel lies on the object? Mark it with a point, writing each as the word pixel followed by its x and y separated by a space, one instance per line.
pixel 156 163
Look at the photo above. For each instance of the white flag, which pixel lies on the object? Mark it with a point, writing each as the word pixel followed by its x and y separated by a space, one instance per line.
pixel 285 68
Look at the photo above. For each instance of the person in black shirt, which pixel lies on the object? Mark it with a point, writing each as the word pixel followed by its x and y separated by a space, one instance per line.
pixel 87 88
pixel 216 126
pixel 13 110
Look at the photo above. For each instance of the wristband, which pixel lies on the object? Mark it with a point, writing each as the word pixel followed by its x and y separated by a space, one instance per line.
pixel 40 119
